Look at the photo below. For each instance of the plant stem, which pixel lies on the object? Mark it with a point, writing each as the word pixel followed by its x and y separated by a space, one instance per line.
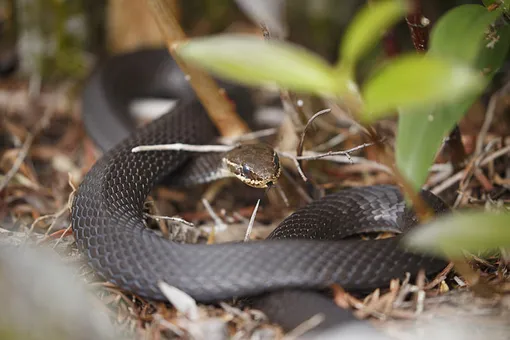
pixel 419 26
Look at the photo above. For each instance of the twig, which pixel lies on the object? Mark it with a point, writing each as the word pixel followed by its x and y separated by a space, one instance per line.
pixel 299 150
pixel 213 98
pixel 63 235
pixel 296 163
pixel 459 175
pixel 22 154
pixel 440 277
pixel 218 223
pixel 54 216
pixel 307 126
pixel 489 116
pixel 169 218
pixel 183 147
pixel 252 221
pixel 470 171
pixel 345 153
pixel 306 326
pixel 335 156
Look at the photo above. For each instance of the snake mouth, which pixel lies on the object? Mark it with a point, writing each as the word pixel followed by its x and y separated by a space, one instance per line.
pixel 259 183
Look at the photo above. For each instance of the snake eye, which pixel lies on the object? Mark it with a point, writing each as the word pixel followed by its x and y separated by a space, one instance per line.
pixel 276 160
pixel 247 171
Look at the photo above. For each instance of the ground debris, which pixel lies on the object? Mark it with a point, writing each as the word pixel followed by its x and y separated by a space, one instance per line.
pixel 40 164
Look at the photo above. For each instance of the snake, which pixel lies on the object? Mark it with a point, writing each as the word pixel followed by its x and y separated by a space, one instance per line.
pixel 308 252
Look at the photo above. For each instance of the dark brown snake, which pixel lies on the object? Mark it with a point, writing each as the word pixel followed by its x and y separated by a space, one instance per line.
pixel 305 253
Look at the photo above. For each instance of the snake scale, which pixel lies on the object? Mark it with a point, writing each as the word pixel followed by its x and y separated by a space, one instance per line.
pixel 305 253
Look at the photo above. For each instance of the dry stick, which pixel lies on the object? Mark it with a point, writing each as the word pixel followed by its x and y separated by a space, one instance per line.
pixel 169 218
pixel 213 98
pixel 22 154
pixel 489 116
pixel 332 156
pixel 299 153
pixel 304 327
pixel 252 221
pixel 459 175
pixel 183 147
pixel 307 126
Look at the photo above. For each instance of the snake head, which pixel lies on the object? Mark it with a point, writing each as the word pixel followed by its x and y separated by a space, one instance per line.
pixel 256 165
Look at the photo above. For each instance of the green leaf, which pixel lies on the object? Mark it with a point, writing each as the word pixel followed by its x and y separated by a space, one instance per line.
pixel 414 80
pixel 459 33
pixel 368 26
pixel 420 134
pixel 255 61
pixel 421 130
pixel 451 235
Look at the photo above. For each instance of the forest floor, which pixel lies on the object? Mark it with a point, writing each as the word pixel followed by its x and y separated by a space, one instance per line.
pixel 45 153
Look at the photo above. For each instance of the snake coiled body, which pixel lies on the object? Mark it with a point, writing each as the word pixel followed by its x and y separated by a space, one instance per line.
pixel 306 251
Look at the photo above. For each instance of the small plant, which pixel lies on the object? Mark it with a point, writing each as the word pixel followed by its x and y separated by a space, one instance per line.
pixel 430 92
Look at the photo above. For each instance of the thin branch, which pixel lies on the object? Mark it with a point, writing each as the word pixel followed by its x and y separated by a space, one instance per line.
pixel 345 153
pixel 306 326
pixel 183 147
pixel 489 116
pixel 307 126
pixel 252 221
pixel 220 110
pixel 22 154
pixel 335 156
pixel 459 175
pixel 169 218
pixel 218 223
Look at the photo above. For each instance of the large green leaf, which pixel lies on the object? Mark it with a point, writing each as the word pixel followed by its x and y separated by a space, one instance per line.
pixel 255 61
pixel 451 235
pixel 414 80
pixel 368 26
pixel 456 37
